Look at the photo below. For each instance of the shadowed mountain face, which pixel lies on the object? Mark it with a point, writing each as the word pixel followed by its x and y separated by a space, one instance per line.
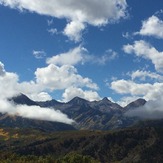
pixel 135 104
pixel 24 100
pixel 106 106
pixel 19 122
pixel 51 103
pixel 15 121
pixel 95 115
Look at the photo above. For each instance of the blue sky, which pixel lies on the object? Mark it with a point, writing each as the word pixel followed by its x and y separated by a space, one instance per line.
pixel 91 49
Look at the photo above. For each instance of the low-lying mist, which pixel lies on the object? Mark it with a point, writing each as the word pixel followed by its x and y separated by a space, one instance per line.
pixel 151 110
pixel 33 112
pixel 10 87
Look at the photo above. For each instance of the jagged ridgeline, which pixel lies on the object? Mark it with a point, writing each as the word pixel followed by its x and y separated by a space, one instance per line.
pixel 96 137
pixel 94 115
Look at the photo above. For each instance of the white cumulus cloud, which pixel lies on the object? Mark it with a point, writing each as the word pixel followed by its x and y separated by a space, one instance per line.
pixel 40 96
pixel 72 57
pixel 2 70
pixel 53 77
pixel 72 92
pixel 10 86
pixel 8 82
pixel 147 51
pixel 146 90
pixel 74 30
pixel 125 100
pixel 130 87
pixel 76 12
pixel 153 26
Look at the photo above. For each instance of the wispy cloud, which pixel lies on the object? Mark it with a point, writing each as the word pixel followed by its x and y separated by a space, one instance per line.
pixel 108 56
pixel 39 54
pixel 127 35
pixel 53 31
pixel 144 75
pixel 50 22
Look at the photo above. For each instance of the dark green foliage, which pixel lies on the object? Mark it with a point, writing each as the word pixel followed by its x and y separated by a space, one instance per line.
pixel 76 158
pixel 140 144
pixel 13 158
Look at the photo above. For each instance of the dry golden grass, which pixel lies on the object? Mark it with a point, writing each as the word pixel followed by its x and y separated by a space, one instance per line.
pixel 4 134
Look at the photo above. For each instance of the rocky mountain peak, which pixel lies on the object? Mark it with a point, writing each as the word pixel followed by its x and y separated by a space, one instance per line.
pixel 51 103
pixel 137 103
pixel 102 114
pixel 23 99
pixel 77 101
pixel 106 100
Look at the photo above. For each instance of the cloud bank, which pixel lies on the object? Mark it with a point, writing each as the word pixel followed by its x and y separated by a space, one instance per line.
pixel 33 112
pixel 77 13
pixel 10 87
pixel 153 109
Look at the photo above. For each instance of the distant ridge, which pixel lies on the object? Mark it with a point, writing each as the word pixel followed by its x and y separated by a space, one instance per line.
pixel 50 103
pixel 137 103
pixel 23 99
pixel 77 101
pixel 90 115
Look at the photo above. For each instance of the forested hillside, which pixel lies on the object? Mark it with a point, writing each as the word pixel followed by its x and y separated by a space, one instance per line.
pixel 139 144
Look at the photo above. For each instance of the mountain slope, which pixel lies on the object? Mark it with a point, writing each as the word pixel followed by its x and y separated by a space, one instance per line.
pixel 23 99
pixel 135 104
pixel 106 106
pixel 95 115
pixel 16 121
pixel 19 122
pixel 51 103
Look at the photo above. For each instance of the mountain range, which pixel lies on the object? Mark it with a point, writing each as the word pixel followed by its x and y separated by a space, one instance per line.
pixel 94 115
pixel 97 136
